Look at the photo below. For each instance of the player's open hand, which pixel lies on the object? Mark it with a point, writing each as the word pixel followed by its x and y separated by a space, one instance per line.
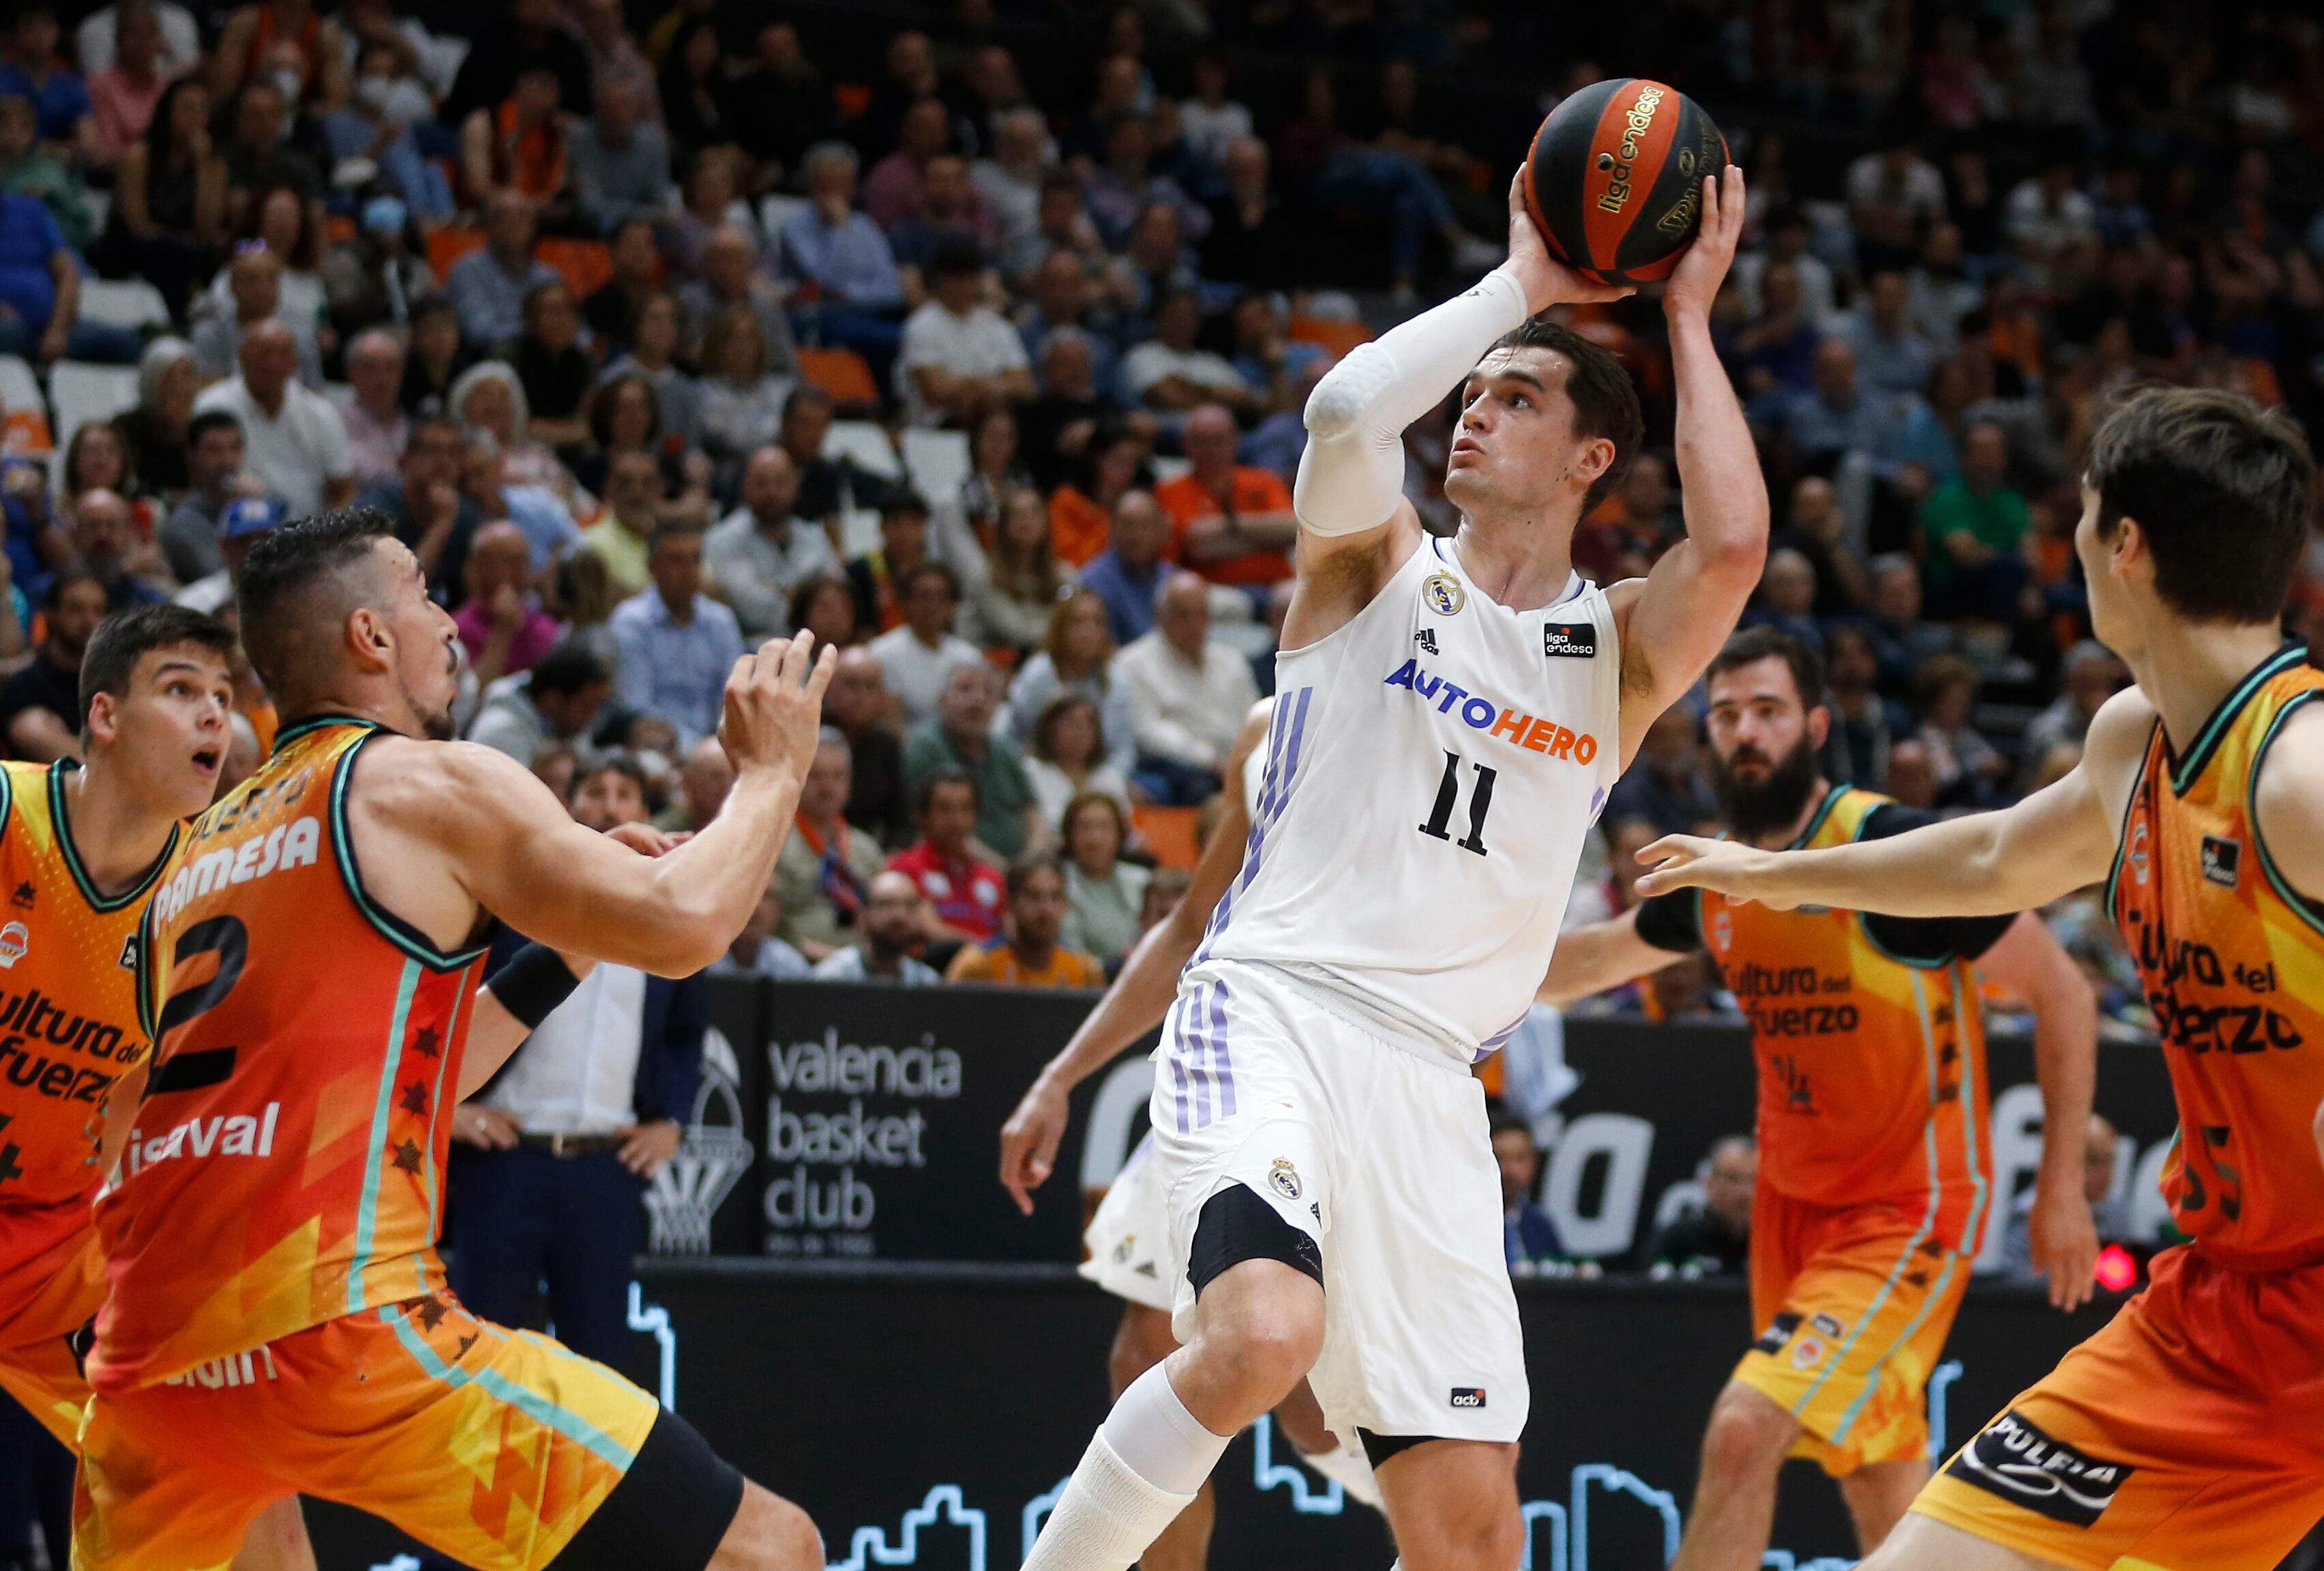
pixel 1689 861
pixel 1546 280
pixel 774 705
pixel 1694 282
pixel 2062 1239
pixel 1028 1142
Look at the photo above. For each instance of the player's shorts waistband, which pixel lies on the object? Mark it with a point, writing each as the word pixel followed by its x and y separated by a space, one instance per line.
pixel 1314 988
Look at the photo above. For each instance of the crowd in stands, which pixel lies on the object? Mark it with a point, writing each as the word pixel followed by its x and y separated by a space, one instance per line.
pixel 975 341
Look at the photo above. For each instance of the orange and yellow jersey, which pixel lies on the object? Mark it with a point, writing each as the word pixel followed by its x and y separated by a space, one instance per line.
pixel 1868 1033
pixel 2232 962
pixel 287 1164
pixel 69 1029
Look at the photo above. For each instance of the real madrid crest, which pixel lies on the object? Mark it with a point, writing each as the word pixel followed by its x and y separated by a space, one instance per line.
pixel 1281 1173
pixel 1442 593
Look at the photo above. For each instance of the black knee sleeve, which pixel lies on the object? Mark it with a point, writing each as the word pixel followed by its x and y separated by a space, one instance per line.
pixel 669 1512
pixel 1237 1226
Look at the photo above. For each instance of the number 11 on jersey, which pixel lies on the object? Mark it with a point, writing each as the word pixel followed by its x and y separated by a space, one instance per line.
pixel 1448 792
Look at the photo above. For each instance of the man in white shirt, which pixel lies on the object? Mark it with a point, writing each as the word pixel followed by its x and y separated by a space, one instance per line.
pixel 377 426
pixel 1009 181
pixel 296 444
pixel 181 39
pixel 759 553
pixel 920 657
pixel 1168 373
pixel 959 357
pixel 1188 696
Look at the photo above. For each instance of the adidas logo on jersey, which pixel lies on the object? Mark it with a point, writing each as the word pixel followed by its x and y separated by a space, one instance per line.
pixel 1534 734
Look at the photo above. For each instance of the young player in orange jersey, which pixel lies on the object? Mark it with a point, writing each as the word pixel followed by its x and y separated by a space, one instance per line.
pixel 2189 1434
pixel 1875 1179
pixel 276 1321
pixel 79 849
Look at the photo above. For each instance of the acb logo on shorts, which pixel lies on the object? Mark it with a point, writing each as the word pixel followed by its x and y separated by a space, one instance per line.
pixel 1467 1396
pixel 1285 1178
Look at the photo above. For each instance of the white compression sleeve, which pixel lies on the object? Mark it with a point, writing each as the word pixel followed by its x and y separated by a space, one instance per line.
pixel 1352 472
pixel 1158 1439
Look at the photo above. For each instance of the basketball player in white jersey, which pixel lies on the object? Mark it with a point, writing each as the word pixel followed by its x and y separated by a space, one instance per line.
pixel 1448 717
pixel 1129 1238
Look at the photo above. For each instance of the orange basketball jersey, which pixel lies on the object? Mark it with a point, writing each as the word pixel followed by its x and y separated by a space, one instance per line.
pixel 1871 1064
pixel 2232 962
pixel 287 1164
pixel 69 1029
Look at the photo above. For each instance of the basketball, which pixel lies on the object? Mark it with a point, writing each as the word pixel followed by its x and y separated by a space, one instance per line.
pixel 1614 178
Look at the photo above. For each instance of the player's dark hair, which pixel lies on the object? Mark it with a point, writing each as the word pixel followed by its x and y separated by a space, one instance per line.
pixel 283 632
pixel 1604 398
pixel 570 666
pixel 946 776
pixel 2222 489
pixel 111 658
pixel 1763 642
pixel 1022 870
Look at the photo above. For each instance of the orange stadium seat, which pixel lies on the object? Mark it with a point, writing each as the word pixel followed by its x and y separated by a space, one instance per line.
pixel 447 244
pixel 587 264
pixel 1169 833
pixel 842 373
pixel 1339 337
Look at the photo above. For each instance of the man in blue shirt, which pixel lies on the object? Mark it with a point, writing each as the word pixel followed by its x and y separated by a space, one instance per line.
pixel 845 255
pixel 1129 572
pixel 677 645
pixel 487 286
pixel 40 293
pixel 32 69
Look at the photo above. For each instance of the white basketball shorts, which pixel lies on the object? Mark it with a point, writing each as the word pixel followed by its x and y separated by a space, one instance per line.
pixel 1378 1151
pixel 1129 1239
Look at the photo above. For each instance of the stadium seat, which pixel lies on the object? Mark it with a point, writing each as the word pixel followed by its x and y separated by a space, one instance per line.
pixel 866 443
pixel 1339 337
pixel 27 429
pixel 81 394
pixel 937 460
pixel 1169 833
pixel 587 264
pixel 842 373
pixel 448 244
pixel 123 303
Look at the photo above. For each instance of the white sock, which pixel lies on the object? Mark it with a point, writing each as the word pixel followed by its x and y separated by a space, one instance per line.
pixel 1107 1517
pixel 1158 1439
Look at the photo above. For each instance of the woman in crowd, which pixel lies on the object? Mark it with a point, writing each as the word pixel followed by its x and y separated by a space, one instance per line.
pixel 154 433
pixel 741 403
pixel 98 458
pixel 693 91
pixel 488 396
pixel 556 371
pixel 1103 893
pixel 1013 598
pixel 281 222
pixel 1969 770
pixel 434 359
pixel 1075 656
pixel 625 416
pixel 825 605
pixel 1067 757
pixel 654 338
pixel 995 473
pixel 169 203
pixel 584 601
pixel 710 200
pixel 1080 511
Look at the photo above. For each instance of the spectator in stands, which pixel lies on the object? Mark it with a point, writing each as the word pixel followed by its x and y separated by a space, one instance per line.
pixel 697 103
pixel 2093 674
pixel 1188 696
pixel 1253 241
pixel 678 645
pixel 1904 639
pixel 28 168
pixel 487 286
pixel 1664 784
pixel 730 276
pixel 549 532
pixel 1058 293
pixel 434 358
pixel 761 551
pixel 526 33
pixel 620 159
pixel 1787 597
pixel 1154 262
pixel 1209 123
pixel 893 188
pixel 1894 195
pixel 1009 183
pixel 376 123
pixel 1713 1238
pixel 823 873
pixel 1112 462
pixel 39 705
pixel 104 539
pixel 34 71
pixel 758 951
pixel 168 202
pixel 960 740
pixel 964 894
pixel 1975 527
pixel 2048 215
pixel 2111 1211
pixel 94 458
pixel 920 656
pixel 1866 724
pixel 1231 523
pixel 297 443
pixel 1777 345
pixel 1075 657
pixel 1529 1237
pixel 558 1147
pixel 156 432
pixel 879 575
pixel 1818 530
pixel 1837 417
pixel 1029 955
pixel 995 475
pixel 893 926
pixel 557 700
pixel 487 397
pixel 253 294
pixel 377 426
pixel 430 514
pixel 1891 354
pixel 611 309
pixel 844 253
pixel 259 156
pixel 959 357
pixel 40 292
pixel 122 95
pixel 96 41
pixel 625 416
pixel 555 371
pixel 1788 232
pixel 245 519
pixel 857 705
pixel 653 337
pixel 825 605
pixel 829 485
pixel 622 537
pixel 1124 183
pixel 1012 594
pixel 1968 769
pixel 1103 893
pixel 781 105
pixel 285 42
pixel 518 148
pixel 189 537
pixel 1057 429
pixel 501 623
pixel 1166 373
pixel 1127 576
pixel 741 396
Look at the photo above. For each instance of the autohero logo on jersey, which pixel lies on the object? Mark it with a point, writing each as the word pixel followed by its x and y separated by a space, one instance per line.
pixel 1536 734
pixel 2014 1459
pixel 801 1205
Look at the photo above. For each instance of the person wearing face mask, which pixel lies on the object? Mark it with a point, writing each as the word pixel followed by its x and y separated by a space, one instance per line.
pixel 380 279
pixel 376 124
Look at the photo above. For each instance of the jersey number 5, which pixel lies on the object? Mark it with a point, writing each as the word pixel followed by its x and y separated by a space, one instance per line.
pixel 1448 792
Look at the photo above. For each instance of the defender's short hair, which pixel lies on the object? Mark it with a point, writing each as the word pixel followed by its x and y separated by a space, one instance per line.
pixel 121 638
pixel 281 635
pixel 1604 398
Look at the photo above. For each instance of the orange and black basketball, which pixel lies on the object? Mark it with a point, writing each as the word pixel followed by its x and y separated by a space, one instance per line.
pixel 1614 180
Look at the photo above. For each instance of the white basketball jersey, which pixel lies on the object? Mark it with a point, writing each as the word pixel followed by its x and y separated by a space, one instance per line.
pixel 1432 768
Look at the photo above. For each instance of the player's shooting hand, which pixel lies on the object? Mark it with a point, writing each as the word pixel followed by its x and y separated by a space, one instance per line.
pixel 1546 280
pixel 2064 1239
pixel 486 1129
pixel 1687 861
pixel 1028 1142
pixel 1694 282
pixel 774 705
pixel 647 1148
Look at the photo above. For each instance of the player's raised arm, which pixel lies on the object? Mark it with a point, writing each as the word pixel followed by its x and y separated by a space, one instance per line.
pixel 1348 497
pixel 2016 859
pixel 1140 996
pixel 1674 621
